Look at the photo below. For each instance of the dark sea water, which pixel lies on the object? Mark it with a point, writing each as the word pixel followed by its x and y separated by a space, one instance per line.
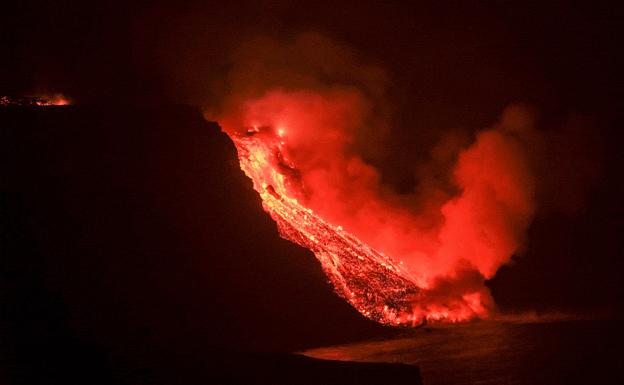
pixel 501 352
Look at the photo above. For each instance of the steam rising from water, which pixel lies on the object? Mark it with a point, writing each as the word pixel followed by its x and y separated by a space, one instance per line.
pixel 323 107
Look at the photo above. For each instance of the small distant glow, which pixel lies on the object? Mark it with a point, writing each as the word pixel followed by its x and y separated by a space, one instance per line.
pixel 36 100
pixel 54 100
pixel 281 131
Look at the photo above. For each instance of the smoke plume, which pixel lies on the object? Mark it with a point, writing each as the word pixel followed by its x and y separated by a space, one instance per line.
pixel 473 203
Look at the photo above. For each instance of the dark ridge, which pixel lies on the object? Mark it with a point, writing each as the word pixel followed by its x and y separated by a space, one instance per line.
pixel 134 248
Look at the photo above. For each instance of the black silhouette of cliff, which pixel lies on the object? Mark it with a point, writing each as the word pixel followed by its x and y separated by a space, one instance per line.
pixel 134 250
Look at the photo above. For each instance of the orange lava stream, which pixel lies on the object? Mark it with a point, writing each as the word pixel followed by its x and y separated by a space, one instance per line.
pixel 373 283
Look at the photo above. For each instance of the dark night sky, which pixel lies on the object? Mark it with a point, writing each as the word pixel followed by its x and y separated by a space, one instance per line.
pixel 460 62
pixel 450 67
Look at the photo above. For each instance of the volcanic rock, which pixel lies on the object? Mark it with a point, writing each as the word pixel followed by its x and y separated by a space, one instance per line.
pixel 133 246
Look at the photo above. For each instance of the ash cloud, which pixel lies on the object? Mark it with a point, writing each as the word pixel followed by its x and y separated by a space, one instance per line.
pixel 473 203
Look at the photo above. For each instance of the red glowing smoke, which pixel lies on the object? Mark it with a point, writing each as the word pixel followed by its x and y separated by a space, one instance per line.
pixel 448 248
pixel 307 118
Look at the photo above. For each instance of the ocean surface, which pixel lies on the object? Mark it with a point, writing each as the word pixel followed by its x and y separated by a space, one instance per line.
pixel 501 352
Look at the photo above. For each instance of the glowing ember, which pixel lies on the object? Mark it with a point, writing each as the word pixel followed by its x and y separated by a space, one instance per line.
pixel 40 100
pixel 53 100
pixel 392 264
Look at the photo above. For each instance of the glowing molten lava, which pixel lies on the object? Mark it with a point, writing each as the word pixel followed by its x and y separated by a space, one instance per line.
pixel 373 283
pixel 392 264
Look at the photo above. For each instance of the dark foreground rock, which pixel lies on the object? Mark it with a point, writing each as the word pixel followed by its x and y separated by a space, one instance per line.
pixel 134 247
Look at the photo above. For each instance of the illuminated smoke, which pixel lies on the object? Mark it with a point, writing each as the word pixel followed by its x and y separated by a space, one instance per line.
pixel 397 258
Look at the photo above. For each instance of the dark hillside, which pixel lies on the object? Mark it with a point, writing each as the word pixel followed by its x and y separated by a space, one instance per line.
pixel 130 236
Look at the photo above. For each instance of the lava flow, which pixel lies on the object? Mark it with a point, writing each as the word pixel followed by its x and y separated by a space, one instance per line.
pixel 394 264
pixel 373 283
